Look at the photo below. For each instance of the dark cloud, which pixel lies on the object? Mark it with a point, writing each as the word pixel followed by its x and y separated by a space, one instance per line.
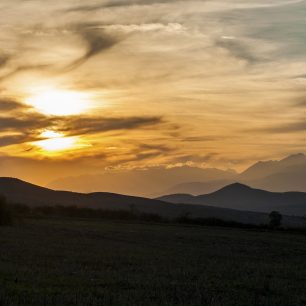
pixel 25 123
pixel 96 41
pixel 15 139
pixel 120 3
pixel 301 102
pixel 154 147
pixel 4 60
pixel 92 125
pixel 238 49
pixel 293 127
pixel 8 105
pixel 145 151
pixel 117 3
pixel 200 138
pixel 199 159
pixel 18 125
pixel 28 126
pixel 23 68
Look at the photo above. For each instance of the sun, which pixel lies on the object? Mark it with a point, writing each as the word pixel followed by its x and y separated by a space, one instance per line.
pixel 59 102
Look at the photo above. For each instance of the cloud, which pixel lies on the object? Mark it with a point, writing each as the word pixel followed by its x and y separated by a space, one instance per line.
pixel 117 3
pixel 237 49
pixel 123 3
pixel 200 138
pixel 28 126
pixel 194 159
pixel 301 102
pixel 4 60
pixel 91 125
pixel 8 105
pixel 145 27
pixel 23 68
pixel 15 139
pixel 95 40
pixel 291 127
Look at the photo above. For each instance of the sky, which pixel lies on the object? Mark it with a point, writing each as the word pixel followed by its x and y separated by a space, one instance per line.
pixel 140 84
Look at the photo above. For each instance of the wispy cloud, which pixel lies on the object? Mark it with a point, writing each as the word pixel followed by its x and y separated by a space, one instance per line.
pixel 169 78
pixel 118 3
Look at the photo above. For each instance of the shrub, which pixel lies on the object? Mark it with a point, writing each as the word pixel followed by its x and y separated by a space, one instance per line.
pixel 5 213
pixel 275 219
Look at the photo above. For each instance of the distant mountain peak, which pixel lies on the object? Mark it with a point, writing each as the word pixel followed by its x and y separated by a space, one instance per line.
pixel 294 157
pixel 236 187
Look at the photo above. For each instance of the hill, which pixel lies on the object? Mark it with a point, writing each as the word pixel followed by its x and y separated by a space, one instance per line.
pixel 17 191
pixel 241 197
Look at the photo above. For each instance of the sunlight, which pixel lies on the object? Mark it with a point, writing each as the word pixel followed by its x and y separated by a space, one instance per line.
pixel 51 134
pixel 57 144
pixel 59 102
pixel 56 141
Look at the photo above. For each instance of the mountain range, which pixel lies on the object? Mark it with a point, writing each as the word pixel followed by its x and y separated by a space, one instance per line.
pixel 242 197
pixel 142 182
pixel 288 174
pixel 234 203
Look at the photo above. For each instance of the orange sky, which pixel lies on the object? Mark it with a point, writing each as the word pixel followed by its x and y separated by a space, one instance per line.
pixel 149 83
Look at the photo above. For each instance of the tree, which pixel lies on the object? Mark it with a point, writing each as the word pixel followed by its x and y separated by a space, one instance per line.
pixel 275 219
pixel 5 213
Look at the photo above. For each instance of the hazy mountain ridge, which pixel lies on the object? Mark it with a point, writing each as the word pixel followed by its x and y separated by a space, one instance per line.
pixel 148 183
pixel 267 168
pixel 288 174
pixel 242 197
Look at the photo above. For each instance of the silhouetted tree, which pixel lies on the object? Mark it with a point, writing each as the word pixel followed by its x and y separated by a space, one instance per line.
pixel 5 213
pixel 275 219
pixel 184 218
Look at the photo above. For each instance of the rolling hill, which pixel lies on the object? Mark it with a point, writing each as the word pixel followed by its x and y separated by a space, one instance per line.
pixel 17 191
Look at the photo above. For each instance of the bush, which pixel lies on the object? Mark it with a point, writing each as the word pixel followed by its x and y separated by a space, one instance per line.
pixel 5 212
pixel 275 219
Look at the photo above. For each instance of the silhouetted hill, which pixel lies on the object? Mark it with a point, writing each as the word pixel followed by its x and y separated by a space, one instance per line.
pixel 20 192
pixel 17 191
pixel 196 188
pixel 241 197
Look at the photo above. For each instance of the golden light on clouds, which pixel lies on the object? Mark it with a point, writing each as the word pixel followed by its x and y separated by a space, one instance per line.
pixel 183 82
pixel 51 134
pixel 56 142
pixel 59 102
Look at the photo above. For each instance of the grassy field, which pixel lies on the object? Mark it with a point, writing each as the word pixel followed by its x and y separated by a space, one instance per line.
pixel 79 262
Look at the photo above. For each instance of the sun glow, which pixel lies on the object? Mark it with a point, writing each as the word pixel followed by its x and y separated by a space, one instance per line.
pixel 57 144
pixel 59 102
pixel 56 141
pixel 51 134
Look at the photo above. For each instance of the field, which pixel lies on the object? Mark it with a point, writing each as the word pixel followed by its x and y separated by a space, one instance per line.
pixel 80 262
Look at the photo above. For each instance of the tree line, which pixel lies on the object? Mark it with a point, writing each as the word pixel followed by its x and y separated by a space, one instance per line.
pixel 9 213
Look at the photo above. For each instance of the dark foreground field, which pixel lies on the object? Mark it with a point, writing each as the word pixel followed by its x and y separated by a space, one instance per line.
pixel 75 262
